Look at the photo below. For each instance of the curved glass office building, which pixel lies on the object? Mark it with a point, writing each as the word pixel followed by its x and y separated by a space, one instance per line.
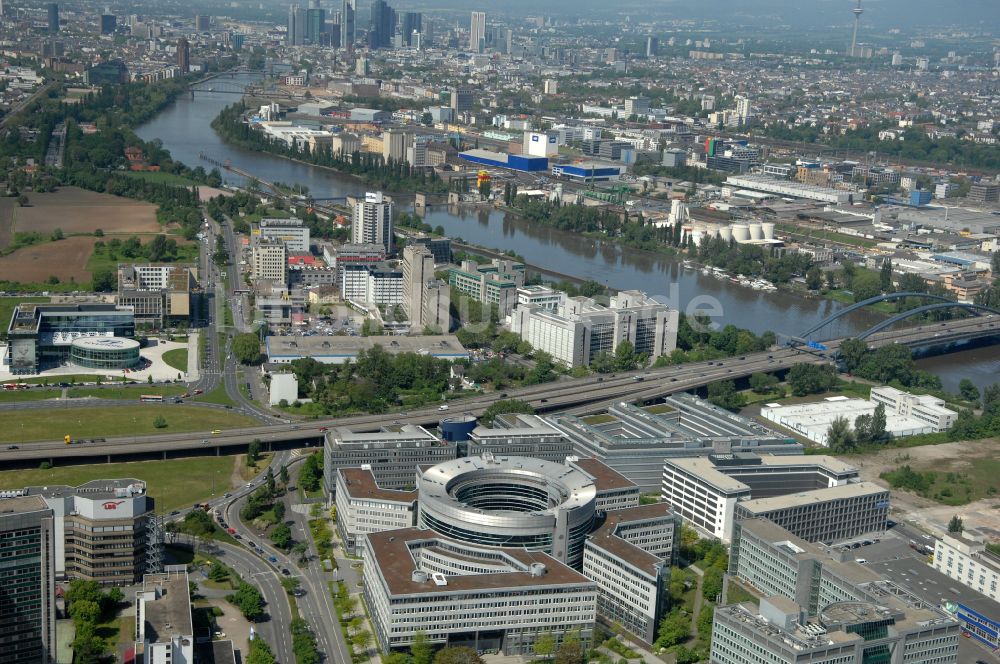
pixel 510 502
pixel 104 352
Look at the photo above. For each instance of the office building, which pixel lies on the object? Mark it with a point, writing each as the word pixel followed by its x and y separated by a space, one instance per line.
pixel 157 293
pixel 164 629
pixel 53 17
pixel 348 15
pixel 346 254
pixel 41 335
pixel 629 557
pixel 634 441
pixel 652 47
pixel 636 106
pixel 674 158
pixel 744 110
pixel 984 192
pixel 395 144
pixel 237 39
pixel 372 223
pixel 477 32
pixel 462 99
pixel 582 329
pixel 315 28
pixel 342 349
pixel 884 630
pixel 109 23
pixel 509 501
pixel 384 286
pixel 410 23
pixel 183 55
pixel 296 34
pixel 520 435
pixel 707 490
pixel 293 232
pixel 202 23
pixel 494 283
pixel 815 584
pixel 106 530
pixel 427 300
pixel 393 454
pixel 440 247
pixel 542 297
pixel 269 261
pixel 614 490
pixel 383 25
pixel 550 86
pixel 363 507
pixel 965 558
pixel 27 604
pixel 905 414
pixel 459 593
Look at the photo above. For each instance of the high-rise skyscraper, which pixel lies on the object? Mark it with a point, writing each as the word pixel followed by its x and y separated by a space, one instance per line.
pixel 315 23
pixel 108 24
pixel 184 55
pixel 296 26
pixel 202 23
pixel 383 25
pixel 237 40
pixel 347 24
pixel 372 223
pixel 652 47
pixel 27 603
pixel 53 9
pixel 744 109
pixel 410 22
pixel 477 32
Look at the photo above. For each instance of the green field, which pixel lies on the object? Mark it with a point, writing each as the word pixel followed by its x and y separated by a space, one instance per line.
pixel 101 260
pixel 7 305
pixel 177 358
pixel 128 392
pixel 28 395
pixel 115 421
pixel 163 178
pixel 173 483
pixel 218 395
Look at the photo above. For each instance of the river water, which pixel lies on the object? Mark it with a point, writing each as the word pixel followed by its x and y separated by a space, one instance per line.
pixel 184 128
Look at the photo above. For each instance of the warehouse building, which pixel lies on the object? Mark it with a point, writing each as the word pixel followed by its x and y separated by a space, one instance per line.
pixel 464 594
pixel 706 491
pixel 363 507
pixel 588 171
pixel 514 162
pixel 334 349
pixel 634 441
pixel 393 454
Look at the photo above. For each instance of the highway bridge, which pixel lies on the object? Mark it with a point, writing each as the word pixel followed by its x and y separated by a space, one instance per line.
pixel 575 396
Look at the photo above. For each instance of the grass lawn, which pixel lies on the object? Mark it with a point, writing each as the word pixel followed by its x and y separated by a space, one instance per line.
pixel 173 483
pixel 659 409
pixel 603 418
pixel 177 358
pixel 218 395
pixel 163 178
pixel 7 305
pixel 127 392
pixel 115 421
pixel 9 396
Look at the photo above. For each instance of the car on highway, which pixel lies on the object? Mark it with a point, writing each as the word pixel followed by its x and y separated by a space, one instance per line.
pixel 273 559
pixel 284 570
pixel 216 432
pixel 443 407
pixel 13 447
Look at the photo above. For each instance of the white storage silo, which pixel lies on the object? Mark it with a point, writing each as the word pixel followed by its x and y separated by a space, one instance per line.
pixel 768 228
pixel 755 232
pixel 726 233
pixel 741 233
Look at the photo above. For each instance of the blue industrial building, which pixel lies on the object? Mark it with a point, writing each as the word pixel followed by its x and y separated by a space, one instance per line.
pixel 588 171
pixel 514 162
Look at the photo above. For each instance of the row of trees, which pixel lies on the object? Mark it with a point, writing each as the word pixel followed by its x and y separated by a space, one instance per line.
pixel 698 339
pixel 886 364
pixel 88 606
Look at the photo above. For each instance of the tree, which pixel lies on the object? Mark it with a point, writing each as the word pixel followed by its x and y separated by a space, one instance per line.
pixel 956 525
pixel 807 379
pixel 218 572
pixel 57 234
pixel 85 611
pixel 312 472
pixel 814 278
pixel 103 281
pixel 885 276
pixel 839 436
pixel 115 597
pixel 159 422
pixel 723 394
pixel 545 645
pixel 866 285
pixel 249 601
pixel 396 657
pixel 283 475
pixel 281 536
pixel 711 583
pixel 877 432
pixel 421 651
pixel 570 651
pixel 762 383
pixel 246 348
pixel 674 628
pixel 457 655
pixel 260 652
pixel 966 388
pixel 253 451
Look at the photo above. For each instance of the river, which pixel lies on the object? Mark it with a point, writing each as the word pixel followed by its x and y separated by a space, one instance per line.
pixel 184 128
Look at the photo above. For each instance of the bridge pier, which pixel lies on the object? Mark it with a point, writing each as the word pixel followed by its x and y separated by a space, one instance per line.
pixel 218 450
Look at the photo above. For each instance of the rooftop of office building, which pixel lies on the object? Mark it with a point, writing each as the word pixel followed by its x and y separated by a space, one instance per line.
pixel 21 504
pixel 842 491
pixel 606 535
pixel 360 483
pixel 394 556
pixel 605 477
pixel 169 614
pixel 717 469
pixel 95 489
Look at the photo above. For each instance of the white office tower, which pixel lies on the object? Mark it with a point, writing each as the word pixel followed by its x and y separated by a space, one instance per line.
pixel 477 32
pixel 372 222
pixel 744 110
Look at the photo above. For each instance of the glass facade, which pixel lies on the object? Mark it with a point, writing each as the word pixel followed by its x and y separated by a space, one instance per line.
pixel 113 354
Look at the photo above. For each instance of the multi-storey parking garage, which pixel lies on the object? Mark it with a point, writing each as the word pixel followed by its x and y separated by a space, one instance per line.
pixel 510 502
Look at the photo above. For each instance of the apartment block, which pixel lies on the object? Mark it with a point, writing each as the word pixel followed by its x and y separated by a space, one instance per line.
pixel 392 453
pixel 372 221
pixel 269 261
pixel 363 507
pixel 27 604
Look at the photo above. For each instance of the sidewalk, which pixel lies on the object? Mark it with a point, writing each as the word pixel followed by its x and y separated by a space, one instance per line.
pixel 193 372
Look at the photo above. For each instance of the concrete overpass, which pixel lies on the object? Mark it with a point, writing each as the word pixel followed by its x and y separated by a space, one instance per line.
pixel 578 396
